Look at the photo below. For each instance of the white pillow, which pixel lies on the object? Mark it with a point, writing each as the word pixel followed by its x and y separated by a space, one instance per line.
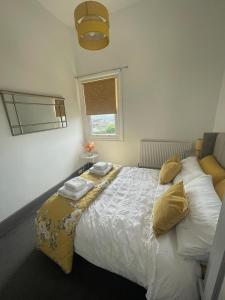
pixel 196 232
pixel 190 170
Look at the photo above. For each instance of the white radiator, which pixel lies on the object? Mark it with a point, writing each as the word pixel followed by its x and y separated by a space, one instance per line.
pixel 154 153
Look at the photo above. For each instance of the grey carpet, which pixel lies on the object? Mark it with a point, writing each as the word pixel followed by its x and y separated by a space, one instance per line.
pixel 27 274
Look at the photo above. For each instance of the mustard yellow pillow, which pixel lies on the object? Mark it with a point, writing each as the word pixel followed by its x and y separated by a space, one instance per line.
pixel 169 170
pixel 211 167
pixel 220 189
pixel 174 158
pixel 169 209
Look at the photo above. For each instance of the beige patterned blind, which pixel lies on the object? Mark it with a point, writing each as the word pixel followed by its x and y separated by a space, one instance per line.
pixel 100 97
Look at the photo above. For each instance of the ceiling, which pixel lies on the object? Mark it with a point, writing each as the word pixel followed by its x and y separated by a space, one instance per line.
pixel 64 9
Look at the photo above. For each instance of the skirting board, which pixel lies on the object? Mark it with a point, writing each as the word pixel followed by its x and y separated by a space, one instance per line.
pixel 10 222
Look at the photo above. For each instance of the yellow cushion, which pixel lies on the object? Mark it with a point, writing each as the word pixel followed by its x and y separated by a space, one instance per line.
pixel 211 167
pixel 169 209
pixel 169 170
pixel 220 189
pixel 175 158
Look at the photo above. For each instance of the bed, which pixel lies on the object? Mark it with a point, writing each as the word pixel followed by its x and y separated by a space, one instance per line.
pixel 115 231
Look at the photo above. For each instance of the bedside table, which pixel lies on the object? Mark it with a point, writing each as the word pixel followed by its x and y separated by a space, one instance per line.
pixel 89 157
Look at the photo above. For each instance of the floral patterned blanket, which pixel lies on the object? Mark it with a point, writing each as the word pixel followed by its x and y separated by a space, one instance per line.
pixel 57 219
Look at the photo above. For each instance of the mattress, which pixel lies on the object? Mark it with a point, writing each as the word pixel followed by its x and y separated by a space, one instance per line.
pixel 115 233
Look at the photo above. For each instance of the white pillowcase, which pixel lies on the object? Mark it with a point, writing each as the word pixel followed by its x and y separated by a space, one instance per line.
pixel 190 170
pixel 196 232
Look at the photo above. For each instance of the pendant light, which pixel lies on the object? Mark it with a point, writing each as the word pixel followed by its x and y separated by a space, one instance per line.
pixel 92 24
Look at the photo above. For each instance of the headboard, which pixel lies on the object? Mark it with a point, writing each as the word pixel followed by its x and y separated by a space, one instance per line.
pixel 219 149
pixel 214 143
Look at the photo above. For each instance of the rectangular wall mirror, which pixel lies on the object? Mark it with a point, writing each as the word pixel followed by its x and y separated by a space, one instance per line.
pixel 29 113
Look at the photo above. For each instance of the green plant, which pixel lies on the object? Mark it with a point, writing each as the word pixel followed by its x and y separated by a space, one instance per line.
pixel 110 128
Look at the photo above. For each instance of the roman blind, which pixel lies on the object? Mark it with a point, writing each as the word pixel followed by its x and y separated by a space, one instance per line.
pixel 100 97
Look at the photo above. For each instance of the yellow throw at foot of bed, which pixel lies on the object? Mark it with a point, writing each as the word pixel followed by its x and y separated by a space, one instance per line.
pixel 57 219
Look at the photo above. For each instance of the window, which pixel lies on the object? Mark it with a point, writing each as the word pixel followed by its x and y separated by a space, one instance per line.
pixel 103 124
pixel 102 106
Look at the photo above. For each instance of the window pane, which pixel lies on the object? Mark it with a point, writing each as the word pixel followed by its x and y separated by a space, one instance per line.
pixel 103 124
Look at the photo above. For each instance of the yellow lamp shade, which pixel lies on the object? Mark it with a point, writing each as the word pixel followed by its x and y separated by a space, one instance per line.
pixel 92 24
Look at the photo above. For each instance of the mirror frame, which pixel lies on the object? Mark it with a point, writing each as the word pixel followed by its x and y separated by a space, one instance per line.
pixel 3 93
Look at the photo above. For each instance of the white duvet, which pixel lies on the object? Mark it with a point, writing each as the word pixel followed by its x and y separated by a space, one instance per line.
pixel 115 233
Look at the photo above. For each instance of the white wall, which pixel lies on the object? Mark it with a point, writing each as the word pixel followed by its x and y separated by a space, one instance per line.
pixel 36 55
pixel 175 53
pixel 219 125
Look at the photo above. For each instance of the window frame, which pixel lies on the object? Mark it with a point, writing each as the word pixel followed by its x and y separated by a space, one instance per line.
pixel 118 117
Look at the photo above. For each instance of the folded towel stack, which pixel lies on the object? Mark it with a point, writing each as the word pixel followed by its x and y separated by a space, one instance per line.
pixel 75 184
pixel 75 188
pixel 101 168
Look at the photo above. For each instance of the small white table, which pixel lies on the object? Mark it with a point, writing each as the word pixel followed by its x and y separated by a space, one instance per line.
pixel 89 157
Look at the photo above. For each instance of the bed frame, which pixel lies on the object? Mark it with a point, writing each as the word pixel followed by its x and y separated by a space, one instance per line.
pixel 210 288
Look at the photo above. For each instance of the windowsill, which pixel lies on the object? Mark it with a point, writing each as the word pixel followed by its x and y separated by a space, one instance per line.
pixel 106 138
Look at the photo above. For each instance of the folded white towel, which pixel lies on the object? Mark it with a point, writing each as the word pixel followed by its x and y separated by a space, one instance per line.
pixel 100 166
pixel 101 173
pixel 75 184
pixel 63 191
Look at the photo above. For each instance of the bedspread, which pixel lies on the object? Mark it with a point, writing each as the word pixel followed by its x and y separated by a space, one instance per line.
pixel 57 219
pixel 115 233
